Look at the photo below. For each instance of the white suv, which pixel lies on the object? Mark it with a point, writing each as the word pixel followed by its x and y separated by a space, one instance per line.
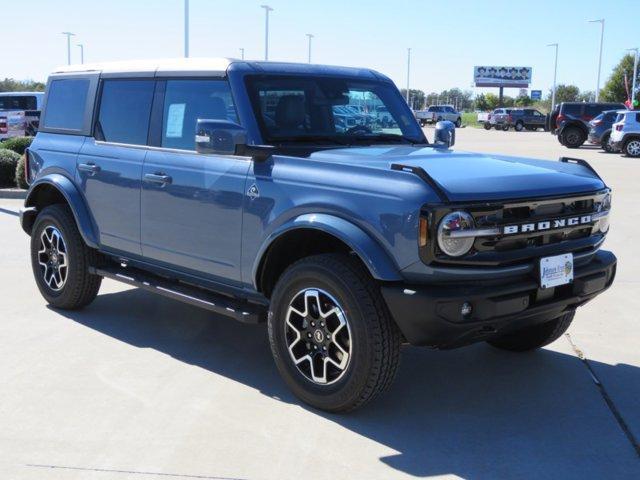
pixel 625 133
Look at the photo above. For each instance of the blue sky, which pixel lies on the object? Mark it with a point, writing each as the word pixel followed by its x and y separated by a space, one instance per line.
pixel 447 37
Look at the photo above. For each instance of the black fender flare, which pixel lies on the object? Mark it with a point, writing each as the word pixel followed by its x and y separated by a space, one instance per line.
pixel 74 199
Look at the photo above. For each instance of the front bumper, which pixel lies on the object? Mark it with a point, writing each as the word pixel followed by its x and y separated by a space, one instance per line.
pixel 430 314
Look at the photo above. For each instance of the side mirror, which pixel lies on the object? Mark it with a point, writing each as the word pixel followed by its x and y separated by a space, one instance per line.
pixel 222 137
pixel 445 135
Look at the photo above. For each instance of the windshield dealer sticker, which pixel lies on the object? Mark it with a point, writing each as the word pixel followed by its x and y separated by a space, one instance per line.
pixel 175 120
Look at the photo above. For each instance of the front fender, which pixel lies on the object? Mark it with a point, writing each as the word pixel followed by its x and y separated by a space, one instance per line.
pixel 73 197
pixel 378 261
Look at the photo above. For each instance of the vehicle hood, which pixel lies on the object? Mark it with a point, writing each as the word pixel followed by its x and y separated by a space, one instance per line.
pixel 466 176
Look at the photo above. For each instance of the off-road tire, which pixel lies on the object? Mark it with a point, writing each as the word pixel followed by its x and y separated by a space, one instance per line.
pixel 534 337
pixel 519 126
pixel 80 287
pixel 573 137
pixel 375 338
pixel 487 126
pixel 458 122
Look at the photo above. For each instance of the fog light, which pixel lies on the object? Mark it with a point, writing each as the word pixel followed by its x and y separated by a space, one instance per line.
pixel 466 309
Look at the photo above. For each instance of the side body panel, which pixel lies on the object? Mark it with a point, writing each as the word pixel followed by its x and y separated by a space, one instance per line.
pixel 113 191
pixel 194 222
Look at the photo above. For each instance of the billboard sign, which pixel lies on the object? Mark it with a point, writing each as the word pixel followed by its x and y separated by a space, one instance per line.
pixel 492 76
pixel 536 94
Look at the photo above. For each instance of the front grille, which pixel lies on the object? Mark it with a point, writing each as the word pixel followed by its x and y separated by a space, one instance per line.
pixel 507 249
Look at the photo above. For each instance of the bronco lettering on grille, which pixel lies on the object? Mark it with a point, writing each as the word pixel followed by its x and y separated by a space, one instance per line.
pixel 547 225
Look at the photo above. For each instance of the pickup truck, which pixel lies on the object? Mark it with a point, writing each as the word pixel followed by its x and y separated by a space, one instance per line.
pixel 437 113
pixel 19 113
pixel 229 185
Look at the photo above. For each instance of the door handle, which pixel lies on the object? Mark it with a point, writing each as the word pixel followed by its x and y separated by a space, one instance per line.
pixel 159 178
pixel 90 168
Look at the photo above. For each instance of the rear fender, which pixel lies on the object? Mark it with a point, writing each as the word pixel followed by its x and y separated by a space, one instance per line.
pixel 74 199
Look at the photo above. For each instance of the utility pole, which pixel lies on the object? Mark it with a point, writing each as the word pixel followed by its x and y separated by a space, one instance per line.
pixel 81 52
pixel 555 76
pixel 309 36
pixel 242 53
pixel 408 71
pixel 186 28
pixel 635 74
pixel 267 9
pixel 601 22
pixel 69 35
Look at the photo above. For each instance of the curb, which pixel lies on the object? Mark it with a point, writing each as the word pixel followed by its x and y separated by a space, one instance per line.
pixel 13 193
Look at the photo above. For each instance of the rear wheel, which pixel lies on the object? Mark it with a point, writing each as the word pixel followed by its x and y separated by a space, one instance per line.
pixel 331 336
pixel 573 137
pixel 536 336
pixel 604 143
pixel 505 127
pixel 487 126
pixel 632 147
pixel 60 260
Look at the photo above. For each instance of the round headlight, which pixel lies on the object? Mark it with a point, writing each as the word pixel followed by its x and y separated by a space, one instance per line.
pixel 453 245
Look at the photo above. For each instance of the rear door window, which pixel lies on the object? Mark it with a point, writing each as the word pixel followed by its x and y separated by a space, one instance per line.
pixel 66 101
pixel 188 100
pixel 594 110
pixel 125 107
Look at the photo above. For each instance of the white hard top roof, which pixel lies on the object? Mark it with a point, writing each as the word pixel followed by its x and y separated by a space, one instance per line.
pixel 15 94
pixel 167 65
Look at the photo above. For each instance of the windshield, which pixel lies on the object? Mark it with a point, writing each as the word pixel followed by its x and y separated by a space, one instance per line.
pixel 299 109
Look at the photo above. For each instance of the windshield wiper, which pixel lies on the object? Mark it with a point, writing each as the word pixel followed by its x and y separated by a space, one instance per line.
pixel 384 137
pixel 310 139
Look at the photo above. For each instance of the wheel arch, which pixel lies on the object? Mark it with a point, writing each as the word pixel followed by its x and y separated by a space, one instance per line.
pixel 312 234
pixel 54 189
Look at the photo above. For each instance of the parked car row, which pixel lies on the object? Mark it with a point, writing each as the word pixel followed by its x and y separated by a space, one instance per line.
pixel 610 125
pixel 517 118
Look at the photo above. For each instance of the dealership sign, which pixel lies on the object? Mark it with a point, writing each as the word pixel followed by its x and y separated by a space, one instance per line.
pixel 536 94
pixel 492 76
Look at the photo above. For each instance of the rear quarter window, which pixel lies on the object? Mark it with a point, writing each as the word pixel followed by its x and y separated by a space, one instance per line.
pixel 66 102
pixel 572 109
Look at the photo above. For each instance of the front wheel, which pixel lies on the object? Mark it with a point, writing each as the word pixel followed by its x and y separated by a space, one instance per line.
pixel 331 335
pixel 487 126
pixel 458 122
pixel 535 336
pixel 60 260
pixel 519 127
pixel 505 127
pixel 632 147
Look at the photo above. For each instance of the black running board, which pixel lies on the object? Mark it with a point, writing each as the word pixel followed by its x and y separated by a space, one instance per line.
pixel 242 311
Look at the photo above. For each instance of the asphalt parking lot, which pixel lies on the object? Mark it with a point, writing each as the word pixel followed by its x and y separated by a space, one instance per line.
pixel 137 386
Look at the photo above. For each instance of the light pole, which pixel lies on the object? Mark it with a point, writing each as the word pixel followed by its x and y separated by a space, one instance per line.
pixel 408 71
pixel 69 35
pixel 635 74
pixel 267 9
pixel 309 36
pixel 242 53
pixel 555 76
pixel 186 28
pixel 81 52
pixel 601 22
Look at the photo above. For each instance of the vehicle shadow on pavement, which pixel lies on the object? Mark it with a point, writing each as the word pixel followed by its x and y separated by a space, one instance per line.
pixel 475 412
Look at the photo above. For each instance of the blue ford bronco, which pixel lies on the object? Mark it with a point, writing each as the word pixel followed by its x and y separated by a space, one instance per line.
pixel 279 193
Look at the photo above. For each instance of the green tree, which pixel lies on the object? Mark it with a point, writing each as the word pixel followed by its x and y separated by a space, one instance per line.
pixel 416 98
pixel 480 103
pixel 566 93
pixel 11 85
pixel 492 101
pixel 614 90
pixel 523 101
